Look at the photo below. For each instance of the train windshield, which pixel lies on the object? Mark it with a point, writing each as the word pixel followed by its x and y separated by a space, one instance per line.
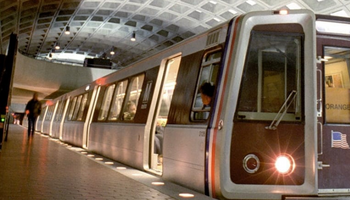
pixel 271 81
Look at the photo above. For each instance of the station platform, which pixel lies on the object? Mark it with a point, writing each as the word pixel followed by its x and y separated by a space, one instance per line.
pixel 41 167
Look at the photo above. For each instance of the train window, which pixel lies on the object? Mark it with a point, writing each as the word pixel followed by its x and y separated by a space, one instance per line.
pixel 71 108
pixel 337 84
pixel 77 106
pixel 60 110
pixel 168 89
pixel 50 112
pixel 207 79
pixel 82 107
pixel 58 113
pixel 133 98
pixel 118 100
pixel 271 81
pixel 106 102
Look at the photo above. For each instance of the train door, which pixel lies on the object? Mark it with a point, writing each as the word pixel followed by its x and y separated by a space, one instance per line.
pixel 62 116
pixel 161 113
pixel 334 108
pixel 89 114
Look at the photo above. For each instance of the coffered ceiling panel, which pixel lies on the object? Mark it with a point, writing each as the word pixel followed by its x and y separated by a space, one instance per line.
pixel 99 26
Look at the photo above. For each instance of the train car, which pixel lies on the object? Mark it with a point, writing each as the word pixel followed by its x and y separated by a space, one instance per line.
pixel 256 108
pixel 73 126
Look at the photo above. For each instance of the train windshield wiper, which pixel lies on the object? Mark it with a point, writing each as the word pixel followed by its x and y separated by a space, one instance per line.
pixel 283 110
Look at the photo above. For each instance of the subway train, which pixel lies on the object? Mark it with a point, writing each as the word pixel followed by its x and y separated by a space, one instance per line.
pixel 274 124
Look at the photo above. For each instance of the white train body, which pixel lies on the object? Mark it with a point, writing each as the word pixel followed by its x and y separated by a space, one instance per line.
pixel 269 103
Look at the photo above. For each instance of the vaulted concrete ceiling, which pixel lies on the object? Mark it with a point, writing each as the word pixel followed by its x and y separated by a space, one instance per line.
pixel 98 26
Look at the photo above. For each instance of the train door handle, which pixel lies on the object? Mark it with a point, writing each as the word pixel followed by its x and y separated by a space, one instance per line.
pixel 320 136
pixel 321 165
pixel 319 96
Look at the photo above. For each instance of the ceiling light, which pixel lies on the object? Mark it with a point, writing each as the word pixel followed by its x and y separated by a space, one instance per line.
pixel 67 32
pixel 57 46
pixel 112 51
pixel 133 38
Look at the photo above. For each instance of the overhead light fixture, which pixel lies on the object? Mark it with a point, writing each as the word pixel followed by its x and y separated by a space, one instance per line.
pixel 112 51
pixel 67 32
pixel 133 38
pixel 57 46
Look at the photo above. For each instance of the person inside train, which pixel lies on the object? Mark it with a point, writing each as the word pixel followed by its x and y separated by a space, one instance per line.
pixel 158 139
pixel 129 114
pixel 32 110
pixel 207 93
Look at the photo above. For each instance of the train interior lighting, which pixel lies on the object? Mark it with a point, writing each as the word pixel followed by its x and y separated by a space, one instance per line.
pixel 332 27
pixel 285 164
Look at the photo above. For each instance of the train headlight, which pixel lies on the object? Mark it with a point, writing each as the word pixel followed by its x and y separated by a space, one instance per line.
pixel 285 164
pixel 281 12
pixel 251 163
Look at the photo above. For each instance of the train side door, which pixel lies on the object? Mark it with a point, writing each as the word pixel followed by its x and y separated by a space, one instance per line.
pixel 158 126
pixel 334 110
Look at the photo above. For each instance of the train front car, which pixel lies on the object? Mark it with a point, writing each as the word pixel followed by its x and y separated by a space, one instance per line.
pixel 262 144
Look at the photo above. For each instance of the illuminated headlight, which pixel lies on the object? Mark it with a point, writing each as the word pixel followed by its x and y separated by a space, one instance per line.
pixel 281 12
pixel 251 163
pixel 285 164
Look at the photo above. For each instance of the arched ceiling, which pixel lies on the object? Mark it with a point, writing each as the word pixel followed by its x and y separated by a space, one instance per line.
pixel 98 26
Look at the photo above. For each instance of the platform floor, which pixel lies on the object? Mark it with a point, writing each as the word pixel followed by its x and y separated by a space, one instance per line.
pixel 45 168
